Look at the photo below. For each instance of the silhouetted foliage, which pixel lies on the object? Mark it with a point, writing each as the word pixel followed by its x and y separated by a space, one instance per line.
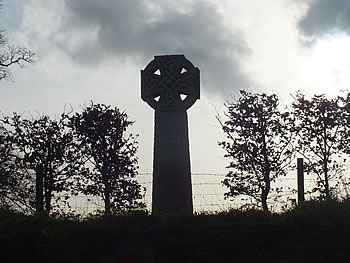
pixel 322 132
pixel 258 144
pixel 11 55
pixel 100 132
pixel 14 187
pixel 5 165
pixel 45 152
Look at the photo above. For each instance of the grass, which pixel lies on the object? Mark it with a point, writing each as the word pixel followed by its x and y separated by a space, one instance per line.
pixel 336 212
pixel 312 232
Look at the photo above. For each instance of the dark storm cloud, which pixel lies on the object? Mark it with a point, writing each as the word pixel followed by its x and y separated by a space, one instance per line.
pixel 128 29
pixel 326 16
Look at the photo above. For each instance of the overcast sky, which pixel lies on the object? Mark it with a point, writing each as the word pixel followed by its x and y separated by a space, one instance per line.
pixel 95 49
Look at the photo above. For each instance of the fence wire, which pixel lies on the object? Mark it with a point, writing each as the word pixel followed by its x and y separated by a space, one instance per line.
pixel 209 194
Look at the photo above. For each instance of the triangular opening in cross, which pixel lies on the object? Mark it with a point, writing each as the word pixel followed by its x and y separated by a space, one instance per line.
pixel 183 70
pixel 157 98
pixel 183 96
pixel 157 72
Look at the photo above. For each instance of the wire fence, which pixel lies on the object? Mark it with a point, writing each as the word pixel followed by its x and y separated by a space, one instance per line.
pixel 209 194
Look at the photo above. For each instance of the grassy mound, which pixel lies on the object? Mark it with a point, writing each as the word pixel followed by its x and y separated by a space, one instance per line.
pixel 312 232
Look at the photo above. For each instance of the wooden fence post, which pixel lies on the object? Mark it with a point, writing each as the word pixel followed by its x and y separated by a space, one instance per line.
pixel 300 168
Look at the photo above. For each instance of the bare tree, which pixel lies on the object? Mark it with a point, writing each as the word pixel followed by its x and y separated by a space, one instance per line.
pixel 11 55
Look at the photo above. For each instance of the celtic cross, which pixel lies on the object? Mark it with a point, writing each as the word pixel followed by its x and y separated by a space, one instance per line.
pixel 166 78
pixel 170 85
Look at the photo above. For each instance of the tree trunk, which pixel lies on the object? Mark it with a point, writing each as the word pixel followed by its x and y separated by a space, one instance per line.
pixel 265 193
pixel 266 189
pixel 39 198
pixel 325 162
pixel 48 190
pixel 328 196
pixel 47 201
pixel 107 198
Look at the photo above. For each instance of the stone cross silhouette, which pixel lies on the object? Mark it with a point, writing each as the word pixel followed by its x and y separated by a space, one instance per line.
pixel 170 85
